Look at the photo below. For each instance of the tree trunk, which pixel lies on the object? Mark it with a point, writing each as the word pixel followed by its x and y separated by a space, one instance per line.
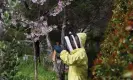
pixel 35 63
pixel 62 66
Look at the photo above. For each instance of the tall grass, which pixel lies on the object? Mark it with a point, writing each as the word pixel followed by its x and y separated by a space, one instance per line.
pixel 26 71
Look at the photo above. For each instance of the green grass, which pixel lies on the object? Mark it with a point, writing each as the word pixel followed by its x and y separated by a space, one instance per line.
pixel 26 71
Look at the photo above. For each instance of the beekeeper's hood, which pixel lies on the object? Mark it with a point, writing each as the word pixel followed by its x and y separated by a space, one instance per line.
pixel 82 38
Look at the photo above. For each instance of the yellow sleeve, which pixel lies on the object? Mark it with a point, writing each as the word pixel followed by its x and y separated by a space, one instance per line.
pixel 74 58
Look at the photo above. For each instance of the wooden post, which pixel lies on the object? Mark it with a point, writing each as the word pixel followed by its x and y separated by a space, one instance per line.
pixel 35 63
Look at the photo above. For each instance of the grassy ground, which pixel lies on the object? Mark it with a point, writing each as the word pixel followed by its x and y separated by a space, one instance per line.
pixel 26 71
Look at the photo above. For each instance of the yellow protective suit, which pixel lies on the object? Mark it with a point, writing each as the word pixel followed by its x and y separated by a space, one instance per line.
pixel 77 61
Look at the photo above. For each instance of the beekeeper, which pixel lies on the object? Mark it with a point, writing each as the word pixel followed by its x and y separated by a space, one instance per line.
pixel 76 57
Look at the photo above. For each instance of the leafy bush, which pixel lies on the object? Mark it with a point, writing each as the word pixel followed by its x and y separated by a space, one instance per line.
pixel 8 60
pixel 115 59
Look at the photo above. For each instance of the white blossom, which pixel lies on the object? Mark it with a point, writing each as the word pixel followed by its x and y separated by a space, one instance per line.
pixel 60 6
pixel 41 2
pixel 54 26
pixel 45 23
pixel 50 29
pixel 14 22
pixel 34 1
pixel 1 10
pixel 2 16
pixel 68 3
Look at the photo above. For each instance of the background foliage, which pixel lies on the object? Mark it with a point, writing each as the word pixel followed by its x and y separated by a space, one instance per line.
pixel 90 16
